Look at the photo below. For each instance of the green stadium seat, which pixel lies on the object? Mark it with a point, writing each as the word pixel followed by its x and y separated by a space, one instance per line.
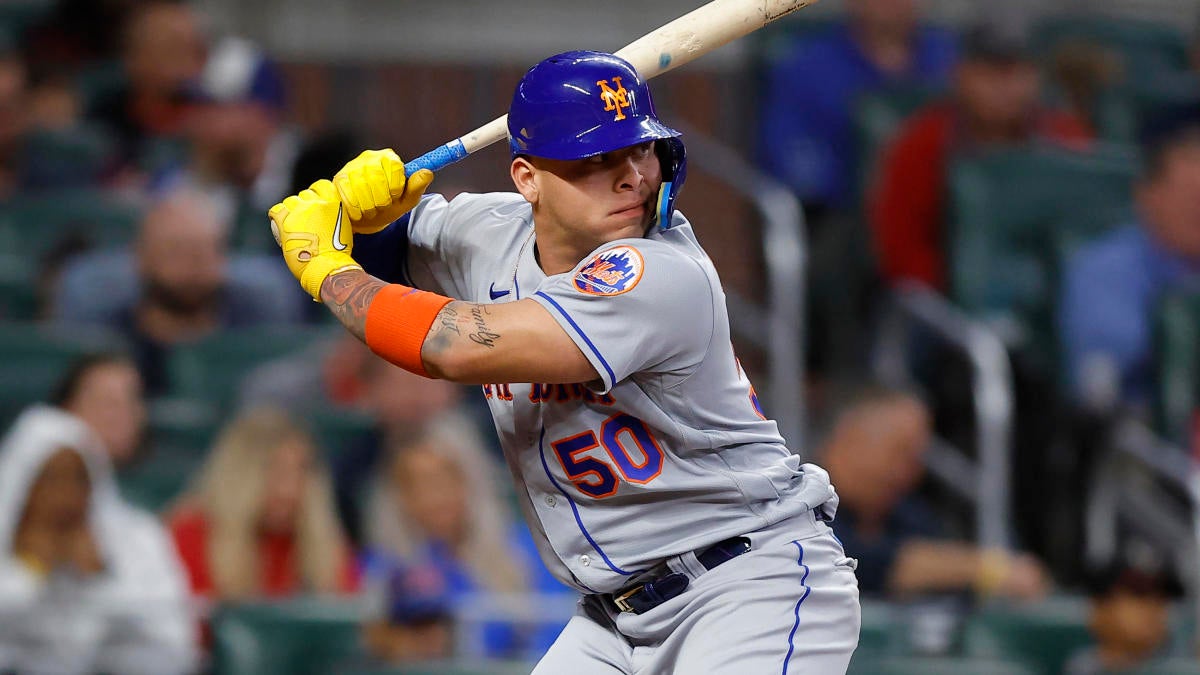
pixel 1041 636
pixel 34 357
pixel 1177 363
pixel 444 668
pixel 33 225
pixel 307 636
pixel 1142 48
pixel 912 665
pixel 154 482
pixel 18 291
pixel 1176 666
pixel 213 368
pixel 877 118
pixel 1007 211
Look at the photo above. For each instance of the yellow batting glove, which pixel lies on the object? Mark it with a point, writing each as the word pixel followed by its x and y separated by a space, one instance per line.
pixel 375 191
pixel 316 243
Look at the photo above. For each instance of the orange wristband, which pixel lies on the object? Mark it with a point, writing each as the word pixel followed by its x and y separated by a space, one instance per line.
pixel 398 320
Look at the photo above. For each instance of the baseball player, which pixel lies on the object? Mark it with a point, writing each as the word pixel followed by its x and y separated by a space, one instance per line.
pixel 646 469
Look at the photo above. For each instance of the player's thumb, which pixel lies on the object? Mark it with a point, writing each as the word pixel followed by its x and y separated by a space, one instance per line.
pixel 417 184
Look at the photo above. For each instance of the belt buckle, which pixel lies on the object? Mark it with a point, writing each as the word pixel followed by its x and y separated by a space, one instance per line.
pixel 622 600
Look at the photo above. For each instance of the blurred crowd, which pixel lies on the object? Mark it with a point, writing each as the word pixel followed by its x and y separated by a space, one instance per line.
pixel 188 437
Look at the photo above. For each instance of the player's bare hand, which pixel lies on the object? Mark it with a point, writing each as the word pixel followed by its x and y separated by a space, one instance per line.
pixel 1027 578
pixel 375 192
pixel 316 243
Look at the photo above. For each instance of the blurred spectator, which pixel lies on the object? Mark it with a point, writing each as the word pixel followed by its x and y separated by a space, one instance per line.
pixel 1129 618
pixel 1112 285
pixel 241 155
pixel 14 121
pixel 874 455
pixel 322 155
pixel 415 618
pixel 323 376
pixel 77 34
pixel 1081 72
pixel 402 405
pixel 438 504
pixel 87 583
pixel 163 54
pixel 105 392
pixel 806 137
pixel 994 103
pixel 184 288
pixel 260 521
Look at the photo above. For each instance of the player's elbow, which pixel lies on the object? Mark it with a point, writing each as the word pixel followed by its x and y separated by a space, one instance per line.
pixel 452 365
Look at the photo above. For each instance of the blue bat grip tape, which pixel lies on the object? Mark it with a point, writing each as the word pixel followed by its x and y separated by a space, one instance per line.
pixel 438 158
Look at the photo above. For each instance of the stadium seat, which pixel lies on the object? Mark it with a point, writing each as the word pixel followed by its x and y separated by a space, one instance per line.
pixel 912 665
pixel 307 636
pixel 212 369
pixel 877 117
pixel 1177 363
pixel 1006 211
pixel 33 358
pixel 18 291
pixel 1176 666
pixel 446 668
pixel 1141 47
pixel 1042 636
pixel 35 224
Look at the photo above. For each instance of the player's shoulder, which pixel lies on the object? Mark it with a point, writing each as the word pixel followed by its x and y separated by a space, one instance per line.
pixel 482 207
pixel 667 261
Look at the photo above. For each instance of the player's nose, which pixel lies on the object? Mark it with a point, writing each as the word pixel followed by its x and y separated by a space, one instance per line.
pixel 629 174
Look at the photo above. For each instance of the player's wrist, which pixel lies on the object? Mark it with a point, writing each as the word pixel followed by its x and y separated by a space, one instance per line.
pixel 322 268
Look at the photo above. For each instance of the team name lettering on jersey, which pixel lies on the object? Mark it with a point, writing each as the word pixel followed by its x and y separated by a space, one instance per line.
pixel 562 393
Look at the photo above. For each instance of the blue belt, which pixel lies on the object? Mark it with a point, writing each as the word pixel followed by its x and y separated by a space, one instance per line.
pixel 646 595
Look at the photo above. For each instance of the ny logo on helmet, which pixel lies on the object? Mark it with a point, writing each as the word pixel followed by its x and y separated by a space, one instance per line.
pixel 614 99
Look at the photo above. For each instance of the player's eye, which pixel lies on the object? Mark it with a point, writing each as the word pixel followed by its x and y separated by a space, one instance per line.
pixel 599 159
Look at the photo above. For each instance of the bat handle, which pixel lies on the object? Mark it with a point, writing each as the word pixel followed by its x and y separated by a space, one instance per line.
pixel 438 158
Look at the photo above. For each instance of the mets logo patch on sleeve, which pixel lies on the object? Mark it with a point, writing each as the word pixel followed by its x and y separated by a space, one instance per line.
pixel 610 272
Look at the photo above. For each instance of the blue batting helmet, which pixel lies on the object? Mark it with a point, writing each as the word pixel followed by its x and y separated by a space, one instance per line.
pixel 582 103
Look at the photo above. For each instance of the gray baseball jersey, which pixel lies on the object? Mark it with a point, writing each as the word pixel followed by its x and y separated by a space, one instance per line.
pixel 669 450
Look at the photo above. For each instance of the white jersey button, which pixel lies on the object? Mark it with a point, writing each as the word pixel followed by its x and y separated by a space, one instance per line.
pixel 585 561
pixel 551 501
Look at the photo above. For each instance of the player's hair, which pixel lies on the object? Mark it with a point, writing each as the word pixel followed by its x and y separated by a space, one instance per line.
pixel 485 550
pixel 230 493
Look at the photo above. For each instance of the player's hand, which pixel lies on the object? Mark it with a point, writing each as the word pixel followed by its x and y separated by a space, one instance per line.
pixel 1027 578
pixel 315 241
pixel 375 191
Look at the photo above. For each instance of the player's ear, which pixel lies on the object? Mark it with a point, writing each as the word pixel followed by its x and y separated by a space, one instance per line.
pixel 523 177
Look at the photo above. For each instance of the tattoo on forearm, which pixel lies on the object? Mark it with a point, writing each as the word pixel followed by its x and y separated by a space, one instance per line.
pixel 348 295
pixel 482 335
pixel 455 320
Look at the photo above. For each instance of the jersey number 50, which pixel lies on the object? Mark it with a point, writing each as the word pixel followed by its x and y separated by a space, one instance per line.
pixel 595 477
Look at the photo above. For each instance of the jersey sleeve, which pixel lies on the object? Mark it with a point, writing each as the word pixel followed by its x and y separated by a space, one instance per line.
pixel 633 306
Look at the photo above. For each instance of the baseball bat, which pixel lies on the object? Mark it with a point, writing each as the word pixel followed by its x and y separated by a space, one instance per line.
pixel 665 48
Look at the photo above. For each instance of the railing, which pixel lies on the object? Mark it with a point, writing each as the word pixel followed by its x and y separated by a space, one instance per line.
pixel 992 397
pixel 782 320
pixel 1122 494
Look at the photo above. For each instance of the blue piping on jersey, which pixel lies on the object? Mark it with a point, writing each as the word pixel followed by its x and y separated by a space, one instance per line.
pixel 574 508
pixel 792 636
pixel 611 377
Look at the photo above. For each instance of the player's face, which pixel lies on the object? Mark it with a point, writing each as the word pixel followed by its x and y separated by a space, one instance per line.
pixel 600 198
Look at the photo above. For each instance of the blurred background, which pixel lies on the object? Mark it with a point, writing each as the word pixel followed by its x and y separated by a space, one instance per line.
pixel 961 245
